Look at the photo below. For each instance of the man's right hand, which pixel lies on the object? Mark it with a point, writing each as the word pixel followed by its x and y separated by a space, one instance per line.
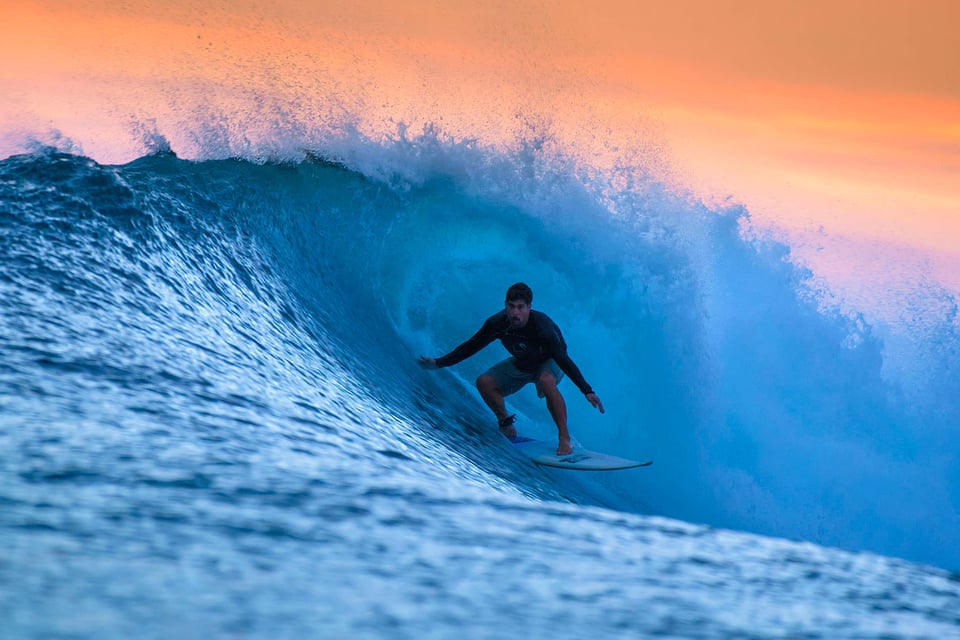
pixel 427 363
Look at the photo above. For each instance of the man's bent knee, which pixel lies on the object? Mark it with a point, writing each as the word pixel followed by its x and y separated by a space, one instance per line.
pixel 487 383
pixel 547 382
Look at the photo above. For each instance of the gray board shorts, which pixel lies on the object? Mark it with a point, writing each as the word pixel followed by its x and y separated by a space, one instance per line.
pixel 510 379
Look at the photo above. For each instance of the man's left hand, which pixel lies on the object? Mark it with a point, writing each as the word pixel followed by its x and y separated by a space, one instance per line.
pixel 595 401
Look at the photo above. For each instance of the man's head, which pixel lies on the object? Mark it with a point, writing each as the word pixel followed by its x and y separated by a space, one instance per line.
pixel 519 299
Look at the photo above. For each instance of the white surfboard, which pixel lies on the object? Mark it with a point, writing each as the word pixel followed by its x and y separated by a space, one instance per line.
pixel 545 453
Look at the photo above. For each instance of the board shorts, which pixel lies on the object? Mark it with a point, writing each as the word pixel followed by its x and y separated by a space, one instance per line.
pixel 510 379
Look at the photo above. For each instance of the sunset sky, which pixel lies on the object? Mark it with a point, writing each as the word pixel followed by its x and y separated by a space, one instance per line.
pixel 834 114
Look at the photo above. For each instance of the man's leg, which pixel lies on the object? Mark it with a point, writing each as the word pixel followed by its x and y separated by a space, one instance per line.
pixel 547 385
pixel 493 396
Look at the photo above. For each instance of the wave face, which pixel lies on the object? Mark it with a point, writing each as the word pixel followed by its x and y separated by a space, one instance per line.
pixel 210 396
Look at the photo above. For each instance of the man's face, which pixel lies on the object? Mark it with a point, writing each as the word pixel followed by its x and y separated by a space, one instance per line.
pixel 518 312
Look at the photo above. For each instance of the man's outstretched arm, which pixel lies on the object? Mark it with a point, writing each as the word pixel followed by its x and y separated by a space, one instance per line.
pixel 480 339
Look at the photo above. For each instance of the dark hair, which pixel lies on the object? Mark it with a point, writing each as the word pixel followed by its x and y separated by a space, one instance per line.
pixel 520 291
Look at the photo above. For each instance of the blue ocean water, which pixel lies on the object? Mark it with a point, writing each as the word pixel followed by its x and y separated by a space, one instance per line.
pixel 212 423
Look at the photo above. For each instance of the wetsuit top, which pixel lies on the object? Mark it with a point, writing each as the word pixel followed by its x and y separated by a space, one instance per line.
pixel 531 345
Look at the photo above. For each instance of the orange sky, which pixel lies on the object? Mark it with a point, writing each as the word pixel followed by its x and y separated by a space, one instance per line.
pixel 843 114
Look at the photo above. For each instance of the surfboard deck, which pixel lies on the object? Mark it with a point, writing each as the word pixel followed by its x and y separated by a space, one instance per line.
pixel 545 453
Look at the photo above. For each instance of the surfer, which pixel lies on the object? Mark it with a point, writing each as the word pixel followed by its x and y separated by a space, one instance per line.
pixel 539 355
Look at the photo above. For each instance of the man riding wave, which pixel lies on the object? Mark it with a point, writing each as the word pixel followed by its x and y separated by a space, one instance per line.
pixel 538 354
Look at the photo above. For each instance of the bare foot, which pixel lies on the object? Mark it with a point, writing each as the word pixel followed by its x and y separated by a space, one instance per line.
pixel 565 447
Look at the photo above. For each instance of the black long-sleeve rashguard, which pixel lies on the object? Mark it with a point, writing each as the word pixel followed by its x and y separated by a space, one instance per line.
pixel 532 345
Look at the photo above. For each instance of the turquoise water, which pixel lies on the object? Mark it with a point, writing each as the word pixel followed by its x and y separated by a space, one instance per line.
pixel 212 423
